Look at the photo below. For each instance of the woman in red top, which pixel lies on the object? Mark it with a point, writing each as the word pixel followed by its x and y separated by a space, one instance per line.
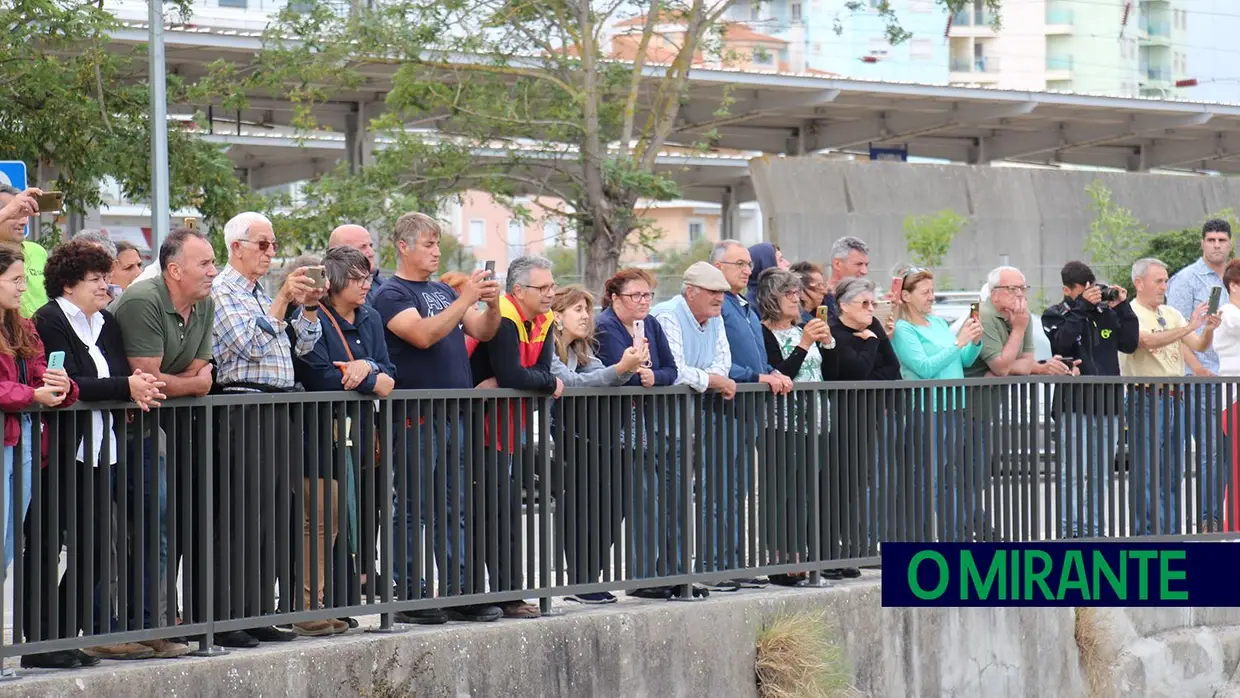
pixel 24 383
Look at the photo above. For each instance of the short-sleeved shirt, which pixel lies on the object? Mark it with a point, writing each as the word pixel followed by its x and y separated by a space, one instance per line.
pixel 1161 362
pixel 995 334
pixel 445 365
pixel 152 326
pixel 35 296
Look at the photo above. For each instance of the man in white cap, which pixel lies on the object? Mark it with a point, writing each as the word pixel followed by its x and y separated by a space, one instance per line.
pixel 693 325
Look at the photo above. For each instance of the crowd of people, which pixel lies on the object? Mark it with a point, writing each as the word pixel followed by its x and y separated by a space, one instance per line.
pixel 185 327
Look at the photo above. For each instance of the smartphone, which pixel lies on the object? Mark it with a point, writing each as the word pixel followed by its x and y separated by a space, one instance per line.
pixel 897 285
pixel 823 313
pixel 50 202
pixel 639 332
pixel 56 361
pixel 882 311
pixel 191 223
pixel 1216 295
pixel 316 275
pixel 489 266
pixel 975 311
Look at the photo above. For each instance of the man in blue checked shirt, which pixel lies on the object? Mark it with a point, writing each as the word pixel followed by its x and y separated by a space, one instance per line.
pixel 1188 289
pixel 253 354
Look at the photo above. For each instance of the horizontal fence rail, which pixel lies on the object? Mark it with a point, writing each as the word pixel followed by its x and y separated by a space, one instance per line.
pixel 240 511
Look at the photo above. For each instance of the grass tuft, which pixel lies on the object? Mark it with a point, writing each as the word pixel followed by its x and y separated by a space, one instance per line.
pixel 799 657
pixel 1095 642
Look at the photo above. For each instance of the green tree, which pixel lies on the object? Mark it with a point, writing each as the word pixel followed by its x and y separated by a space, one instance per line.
pixel 1180 248
pixel 1116 237
pixel 563 264
pixel 453 256
pixel 896 33
pixel 70 109
pixel 676 262
pixel 539 74
pixel 930 236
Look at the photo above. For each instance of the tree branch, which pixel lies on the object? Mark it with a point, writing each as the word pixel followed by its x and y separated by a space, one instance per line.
pixel 635 79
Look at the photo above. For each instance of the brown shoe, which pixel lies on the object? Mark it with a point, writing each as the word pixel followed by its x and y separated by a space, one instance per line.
pixel 124 650
pixel 315 628
pixel 520 609
pixel 167 649
pixel 338 626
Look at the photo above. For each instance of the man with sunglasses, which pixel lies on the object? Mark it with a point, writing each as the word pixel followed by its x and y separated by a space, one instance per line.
pixel 1165 340
pixel 1091 333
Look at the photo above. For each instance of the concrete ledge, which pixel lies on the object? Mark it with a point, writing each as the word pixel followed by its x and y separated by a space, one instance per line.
pixel 633 648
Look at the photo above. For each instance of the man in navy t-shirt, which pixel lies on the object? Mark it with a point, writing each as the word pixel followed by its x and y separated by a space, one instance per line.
pixel 425 324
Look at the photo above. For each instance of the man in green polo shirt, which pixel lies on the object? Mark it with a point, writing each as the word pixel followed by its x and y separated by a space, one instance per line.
pixel 167 321
pixel 1007 345
pixel 13 229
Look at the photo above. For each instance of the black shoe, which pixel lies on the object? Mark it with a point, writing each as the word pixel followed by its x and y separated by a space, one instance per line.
pixel 481 613
pixel 750 582
pixel 724 585
pixel 272 634
pixel 791 579
pixel 238 639
pixel 425 616
pixel 85 659
pixel 851 572
pixel 64 659
pixel 833 574
pixel 351 621
pixel 657 593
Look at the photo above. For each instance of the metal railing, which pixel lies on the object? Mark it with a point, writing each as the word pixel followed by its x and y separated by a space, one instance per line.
pixel 208 520
pixel 977 64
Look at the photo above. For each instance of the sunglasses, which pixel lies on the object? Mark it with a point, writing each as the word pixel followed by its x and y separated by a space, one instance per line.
pixel 262 245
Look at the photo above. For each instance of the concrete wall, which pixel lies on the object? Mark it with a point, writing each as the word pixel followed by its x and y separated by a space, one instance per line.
pixel 1037 218
pixel 634 648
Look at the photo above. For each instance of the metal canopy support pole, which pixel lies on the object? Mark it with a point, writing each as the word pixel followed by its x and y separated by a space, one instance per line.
pixel 160 215
pixel 725 215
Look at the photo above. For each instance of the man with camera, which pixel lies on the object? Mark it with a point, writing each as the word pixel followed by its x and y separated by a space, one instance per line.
pixel 1089 328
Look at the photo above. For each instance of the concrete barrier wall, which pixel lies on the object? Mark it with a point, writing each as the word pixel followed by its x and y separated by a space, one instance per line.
pixel 1038 218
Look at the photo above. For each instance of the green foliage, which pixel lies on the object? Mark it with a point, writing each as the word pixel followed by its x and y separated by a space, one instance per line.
pixel 1175 248
pixel 929 236
pixel 1115 238
pixel 563 264
pixel 676 262
pixel 896 33
pixel 453 256
pixel 68 100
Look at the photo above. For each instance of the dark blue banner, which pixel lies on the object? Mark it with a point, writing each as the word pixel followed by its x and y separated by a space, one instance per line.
pixel 1061 574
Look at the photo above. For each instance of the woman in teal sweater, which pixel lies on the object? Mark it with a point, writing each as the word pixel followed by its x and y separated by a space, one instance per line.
pixel 928 350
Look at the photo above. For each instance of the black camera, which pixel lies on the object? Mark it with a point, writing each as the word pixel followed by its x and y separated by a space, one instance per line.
pixel 1108 294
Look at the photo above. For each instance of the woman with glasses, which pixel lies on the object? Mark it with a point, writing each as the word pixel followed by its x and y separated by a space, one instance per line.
pixel 859 419
pixel 575 363
pixel 929 350
pixel 807 354
pixel 351 355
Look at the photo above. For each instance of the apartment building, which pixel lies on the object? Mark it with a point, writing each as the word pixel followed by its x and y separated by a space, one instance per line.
pixel 823 36
pixel 1115 47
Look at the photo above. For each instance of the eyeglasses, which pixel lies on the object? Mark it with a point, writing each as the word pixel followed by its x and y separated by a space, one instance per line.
pixel 548 290
pixel 740 265
pixel 868 305
pixel 1015 289
pixel 363 281
pixel 795 295
pixel 638 297
pixel 262 245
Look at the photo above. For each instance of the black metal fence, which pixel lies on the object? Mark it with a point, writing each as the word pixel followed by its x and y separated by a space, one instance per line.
pixel 234 512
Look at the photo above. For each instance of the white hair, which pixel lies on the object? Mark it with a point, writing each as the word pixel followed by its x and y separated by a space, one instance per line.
pixel 992 279
pixel 238 226
pixel 1141 267
pixel 720 249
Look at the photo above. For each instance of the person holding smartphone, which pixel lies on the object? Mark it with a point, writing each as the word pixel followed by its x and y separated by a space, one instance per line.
pixel 1090 328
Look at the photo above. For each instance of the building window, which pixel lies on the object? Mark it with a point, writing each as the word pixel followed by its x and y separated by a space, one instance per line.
pixel 516 245
pixel 697 230
pixel 239 4
pixel 921 49
pixel 477 233
pixel 795 11
pixel 553 233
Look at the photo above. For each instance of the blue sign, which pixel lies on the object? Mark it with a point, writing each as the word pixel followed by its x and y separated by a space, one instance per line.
pixel 889 154
pixel 13 173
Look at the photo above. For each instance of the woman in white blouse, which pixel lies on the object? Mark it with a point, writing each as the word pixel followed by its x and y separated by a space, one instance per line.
pixel 74 322
pixel 1227 345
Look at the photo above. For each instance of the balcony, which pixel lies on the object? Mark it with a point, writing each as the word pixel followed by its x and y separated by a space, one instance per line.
pixel 972 22
pixel 1154 32
pixel 1058 64
pixel 1059 19
pixel 972 70
pixel 1158 74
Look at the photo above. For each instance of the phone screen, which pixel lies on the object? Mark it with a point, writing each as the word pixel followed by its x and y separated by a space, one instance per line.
pixel 824 314
pixel 50 202
pixel 490 267
pixel 974 310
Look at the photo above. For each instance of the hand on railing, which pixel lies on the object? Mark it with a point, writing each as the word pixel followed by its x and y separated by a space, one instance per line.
pixel 646 376
pixel 559 389
pixel 384 385
pixel 145 389
pixel 354 372
pixel 49 396
pixel 724 385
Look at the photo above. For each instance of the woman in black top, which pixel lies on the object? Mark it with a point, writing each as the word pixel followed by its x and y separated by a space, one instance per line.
pixel 74 322
pixel 862 419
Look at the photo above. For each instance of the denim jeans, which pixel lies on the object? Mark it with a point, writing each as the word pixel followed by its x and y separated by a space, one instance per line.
pixel 154 601
pixel 1156 457
pixel 1086 445
pixel 10 482
pixel 419 486
pixel 1213 447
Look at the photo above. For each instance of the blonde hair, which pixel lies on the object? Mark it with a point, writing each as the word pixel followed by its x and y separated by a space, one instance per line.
pixel 911 280
pixel 566 298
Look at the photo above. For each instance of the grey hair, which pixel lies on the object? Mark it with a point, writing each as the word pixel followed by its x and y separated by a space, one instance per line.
pixel 1141 267
pixel 721 248
pixel 847 244
pixel 773 283
pixel 97 237
pixel 238 226
pixel 9 189
pixel 519 270
pixel 343 264
pixel 848 289
pixel 992 279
